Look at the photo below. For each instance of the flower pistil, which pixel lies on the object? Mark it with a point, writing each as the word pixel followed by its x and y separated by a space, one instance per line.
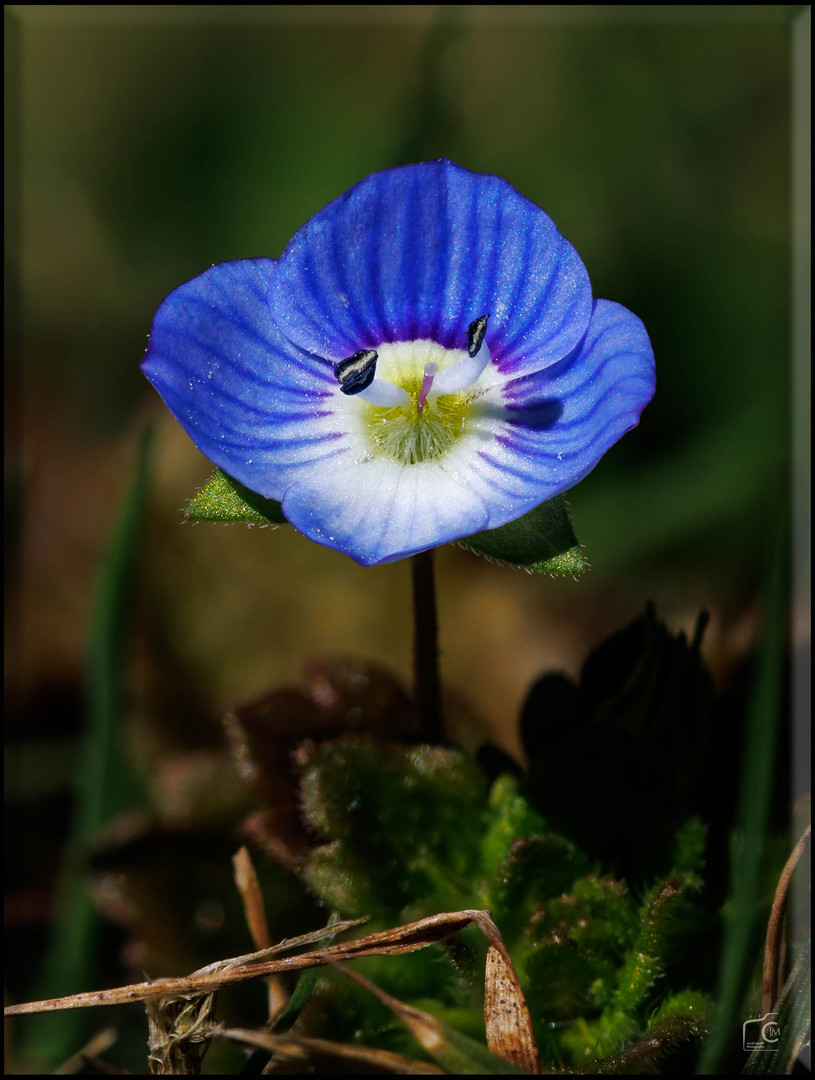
pixel 417 394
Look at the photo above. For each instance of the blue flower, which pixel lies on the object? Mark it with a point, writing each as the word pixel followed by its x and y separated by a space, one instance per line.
pixel 424 361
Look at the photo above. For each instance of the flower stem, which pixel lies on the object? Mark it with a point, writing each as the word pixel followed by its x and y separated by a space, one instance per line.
pixel 426 649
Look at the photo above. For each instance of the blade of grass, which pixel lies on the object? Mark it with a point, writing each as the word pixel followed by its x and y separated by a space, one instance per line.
pixel 70 958
pixel 743 925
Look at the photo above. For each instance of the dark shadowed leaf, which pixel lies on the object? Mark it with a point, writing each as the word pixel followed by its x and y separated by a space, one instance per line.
pixel 542 540
pixel 536 869
pixel 631 734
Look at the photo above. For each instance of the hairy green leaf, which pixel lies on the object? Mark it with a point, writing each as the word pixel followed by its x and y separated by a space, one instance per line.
pixel 401 825
pixel 225 500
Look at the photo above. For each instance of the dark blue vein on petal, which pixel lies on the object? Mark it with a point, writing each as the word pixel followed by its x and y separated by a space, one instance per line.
pixel 416 250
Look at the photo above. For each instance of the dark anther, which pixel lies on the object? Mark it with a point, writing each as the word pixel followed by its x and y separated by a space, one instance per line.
pixel 356 373
pixel 475 334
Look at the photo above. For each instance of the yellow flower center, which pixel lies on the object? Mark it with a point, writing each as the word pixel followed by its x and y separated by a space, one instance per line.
pixel 424 427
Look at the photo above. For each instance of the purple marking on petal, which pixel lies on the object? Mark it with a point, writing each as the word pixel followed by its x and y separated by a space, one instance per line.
pixel 419 252
pixel 602 391
pixel 509 441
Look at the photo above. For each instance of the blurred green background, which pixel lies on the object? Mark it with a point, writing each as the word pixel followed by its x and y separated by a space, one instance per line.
pixel 147 143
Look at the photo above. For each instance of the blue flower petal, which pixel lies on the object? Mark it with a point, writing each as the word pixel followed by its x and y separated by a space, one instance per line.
pixel 419 252
pixel 378 511
pixel 531 440
pixel 244 357
pixel 559 422
pixel 254 404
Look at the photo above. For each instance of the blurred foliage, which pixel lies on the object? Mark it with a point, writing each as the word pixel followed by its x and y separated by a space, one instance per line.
pixel 601 917
pixel 149 145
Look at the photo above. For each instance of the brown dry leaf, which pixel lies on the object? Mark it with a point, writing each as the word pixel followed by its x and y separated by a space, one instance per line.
pixel 257 965
pixel 772 981
pixel 248 886
pixel 309 1050
pixel 509 1025
pixel 401 939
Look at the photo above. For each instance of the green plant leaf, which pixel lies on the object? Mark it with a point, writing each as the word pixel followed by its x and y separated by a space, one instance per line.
pixel 225 500
pixel 299 997
pixel 536 869
pixel 510 818
pixel 560 980
pixel 661 921
pixel 542 541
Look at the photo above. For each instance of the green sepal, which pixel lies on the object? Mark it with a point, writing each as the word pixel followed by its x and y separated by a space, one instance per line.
pixel 542 541
pixel 223 499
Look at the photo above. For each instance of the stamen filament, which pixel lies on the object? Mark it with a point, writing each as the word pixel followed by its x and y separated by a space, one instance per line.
pixel 384 394
pixel 427 381
pixel 462 373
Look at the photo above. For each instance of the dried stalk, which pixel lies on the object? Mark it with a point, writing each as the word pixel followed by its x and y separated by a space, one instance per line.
pixel 189 999
pixel 772 975
pixel 301 1048
pixel 402 939
pixel 248 886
